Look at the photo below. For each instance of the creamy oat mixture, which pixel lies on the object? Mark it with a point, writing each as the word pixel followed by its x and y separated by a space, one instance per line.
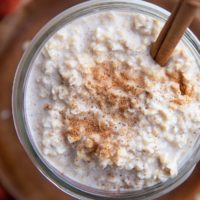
pixel 103 112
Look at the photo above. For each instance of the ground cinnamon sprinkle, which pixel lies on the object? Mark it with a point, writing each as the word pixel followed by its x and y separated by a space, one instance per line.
pixel 47 107
pixel 182 101
pixel 101 84
pixel 115 90
pixel 87 124
pixel 183 88
pixel 105 78
pixel 103 81
pixel 186 87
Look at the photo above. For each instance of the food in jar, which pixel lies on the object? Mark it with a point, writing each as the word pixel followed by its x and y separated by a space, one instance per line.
pixel 103 112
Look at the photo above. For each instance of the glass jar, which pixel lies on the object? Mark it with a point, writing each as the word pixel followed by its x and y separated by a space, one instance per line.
pixel 67 185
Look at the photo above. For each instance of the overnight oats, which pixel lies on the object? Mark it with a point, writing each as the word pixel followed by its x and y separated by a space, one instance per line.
pixel 102 113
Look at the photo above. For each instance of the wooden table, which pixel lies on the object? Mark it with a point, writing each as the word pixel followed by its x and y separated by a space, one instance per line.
pixel 17 173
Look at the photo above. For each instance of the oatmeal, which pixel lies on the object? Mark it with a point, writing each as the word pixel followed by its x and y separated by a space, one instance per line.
pixel 102 112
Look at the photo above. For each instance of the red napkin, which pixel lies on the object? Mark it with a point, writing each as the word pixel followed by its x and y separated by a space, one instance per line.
pixel 8 6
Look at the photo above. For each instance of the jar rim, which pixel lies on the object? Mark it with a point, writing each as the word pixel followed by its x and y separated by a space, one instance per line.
pixel 18 95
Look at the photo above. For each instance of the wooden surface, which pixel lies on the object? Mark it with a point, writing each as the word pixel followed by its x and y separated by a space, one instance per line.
pixel 17 173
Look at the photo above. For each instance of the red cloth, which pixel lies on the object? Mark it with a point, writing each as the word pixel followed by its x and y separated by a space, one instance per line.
pixel 8 6
pixel 4 195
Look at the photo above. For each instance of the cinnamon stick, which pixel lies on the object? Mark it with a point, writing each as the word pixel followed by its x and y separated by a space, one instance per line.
pixel 156 45
pixel 173 30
